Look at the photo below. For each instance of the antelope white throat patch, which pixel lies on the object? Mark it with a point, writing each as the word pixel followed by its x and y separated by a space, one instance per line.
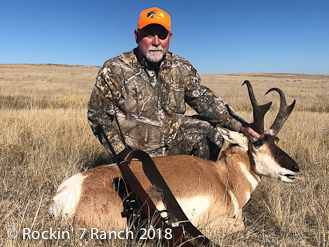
pixel 251 179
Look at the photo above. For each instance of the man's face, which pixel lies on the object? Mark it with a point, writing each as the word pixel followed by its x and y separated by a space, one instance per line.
pixel 153 42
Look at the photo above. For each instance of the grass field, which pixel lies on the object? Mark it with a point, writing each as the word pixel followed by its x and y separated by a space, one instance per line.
pixel 45 138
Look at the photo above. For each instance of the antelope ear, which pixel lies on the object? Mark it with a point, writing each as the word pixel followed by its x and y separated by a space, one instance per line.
pixel 234 137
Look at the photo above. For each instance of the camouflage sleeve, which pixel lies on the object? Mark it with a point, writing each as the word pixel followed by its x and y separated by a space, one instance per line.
pixel 101 109
pixel 208 105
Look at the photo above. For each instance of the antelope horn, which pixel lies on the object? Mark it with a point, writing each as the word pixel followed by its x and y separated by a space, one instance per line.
pixel 284 111
pixel 259 111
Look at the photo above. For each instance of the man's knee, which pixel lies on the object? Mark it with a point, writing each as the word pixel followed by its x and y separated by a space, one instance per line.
pixel 197 137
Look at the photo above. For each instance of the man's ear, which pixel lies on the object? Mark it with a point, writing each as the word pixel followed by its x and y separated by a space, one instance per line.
pixel 234 137
pixel 136 35
pixel 170 36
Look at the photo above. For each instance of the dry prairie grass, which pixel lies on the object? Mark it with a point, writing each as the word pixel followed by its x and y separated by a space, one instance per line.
pixel 45 139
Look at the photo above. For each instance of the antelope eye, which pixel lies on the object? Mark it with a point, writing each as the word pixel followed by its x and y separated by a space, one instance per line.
pixel 257 144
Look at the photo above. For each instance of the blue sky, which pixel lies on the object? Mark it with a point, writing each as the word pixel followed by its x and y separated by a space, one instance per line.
pixel 228 36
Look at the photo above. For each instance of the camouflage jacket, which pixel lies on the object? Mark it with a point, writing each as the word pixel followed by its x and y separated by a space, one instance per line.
pixel 140 108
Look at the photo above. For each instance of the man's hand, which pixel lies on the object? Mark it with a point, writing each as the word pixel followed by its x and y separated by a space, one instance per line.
pixel 247 130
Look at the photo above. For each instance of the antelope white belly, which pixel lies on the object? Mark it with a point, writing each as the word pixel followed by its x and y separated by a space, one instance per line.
pixel 193 207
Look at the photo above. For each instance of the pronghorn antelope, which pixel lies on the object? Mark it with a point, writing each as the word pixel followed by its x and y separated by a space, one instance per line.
pixel 210 193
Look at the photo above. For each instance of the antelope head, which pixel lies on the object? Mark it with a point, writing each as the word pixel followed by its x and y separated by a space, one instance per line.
pixel 266 158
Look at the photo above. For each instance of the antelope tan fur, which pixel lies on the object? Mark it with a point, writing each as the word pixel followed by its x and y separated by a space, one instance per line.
pixel 210 193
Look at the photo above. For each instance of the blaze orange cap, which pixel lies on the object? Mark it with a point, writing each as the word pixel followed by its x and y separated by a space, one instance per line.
pixel 154 16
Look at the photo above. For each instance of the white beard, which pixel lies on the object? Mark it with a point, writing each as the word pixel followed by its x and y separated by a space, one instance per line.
pixel 154 54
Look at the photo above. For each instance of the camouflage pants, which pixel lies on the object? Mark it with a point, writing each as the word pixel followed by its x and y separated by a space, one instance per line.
pixel 195 137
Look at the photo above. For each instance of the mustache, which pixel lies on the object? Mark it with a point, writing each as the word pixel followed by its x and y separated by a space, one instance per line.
pixel 153 48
